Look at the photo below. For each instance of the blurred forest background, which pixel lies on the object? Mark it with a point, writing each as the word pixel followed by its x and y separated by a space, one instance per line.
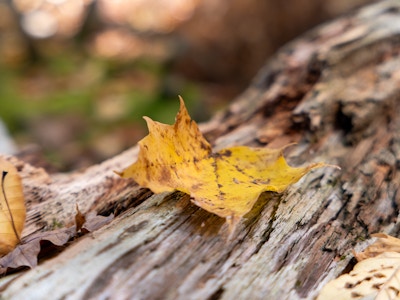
pixel 76 76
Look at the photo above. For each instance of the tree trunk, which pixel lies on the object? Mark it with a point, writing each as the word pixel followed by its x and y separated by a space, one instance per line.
pixel 336 93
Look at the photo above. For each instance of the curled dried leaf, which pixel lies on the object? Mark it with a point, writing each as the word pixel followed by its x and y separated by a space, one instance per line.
pixel 12 207
pixel 372 278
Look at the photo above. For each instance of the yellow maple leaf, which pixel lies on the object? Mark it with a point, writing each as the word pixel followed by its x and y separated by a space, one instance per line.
pixel 12 207
pixel 226 183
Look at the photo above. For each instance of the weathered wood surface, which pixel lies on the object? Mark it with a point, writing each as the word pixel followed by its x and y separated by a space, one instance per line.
pixel 336 92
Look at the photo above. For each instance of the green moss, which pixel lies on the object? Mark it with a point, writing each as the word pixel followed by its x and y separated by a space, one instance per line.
pixel 56 224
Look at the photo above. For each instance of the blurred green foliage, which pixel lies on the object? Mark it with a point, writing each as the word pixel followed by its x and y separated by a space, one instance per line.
pixel 105 95
pixel 61 95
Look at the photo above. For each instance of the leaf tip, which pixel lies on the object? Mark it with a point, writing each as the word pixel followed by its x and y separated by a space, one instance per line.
pixel 80 219
pixel 182 103
pixel 148 120
pixel 182 107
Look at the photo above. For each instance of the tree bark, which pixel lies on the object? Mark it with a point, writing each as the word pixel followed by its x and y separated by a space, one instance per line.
pixel 336 93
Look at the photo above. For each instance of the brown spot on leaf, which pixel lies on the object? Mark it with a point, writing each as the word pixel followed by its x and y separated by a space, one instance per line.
pixel 349 285
pixel 227 153
pixel 356 295
pixel 148 176
pixel 261 182
pixel 165 175
pixel 377 286
pixel 205 146
pixel 196 187
pixel 379 275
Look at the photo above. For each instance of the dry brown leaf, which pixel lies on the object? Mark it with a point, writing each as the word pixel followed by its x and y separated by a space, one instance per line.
pixel 12 207
pixel 94 222
pixel 375 276
pixel 27 252
pixel 79 219
pixel 226 183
